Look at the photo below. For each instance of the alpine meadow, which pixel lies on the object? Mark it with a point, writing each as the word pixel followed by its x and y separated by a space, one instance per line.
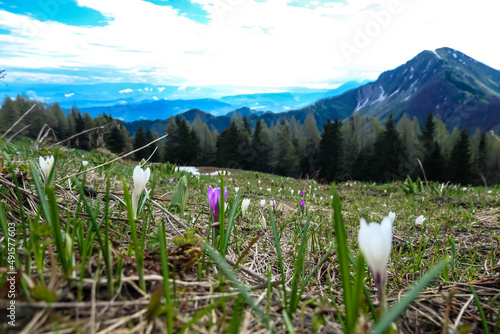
pixel 249 166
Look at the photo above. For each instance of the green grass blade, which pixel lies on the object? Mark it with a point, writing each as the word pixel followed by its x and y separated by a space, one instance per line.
pixel 226 269
pixel 352 316
pixel 408 298
pixel 280 256
pixel 480 309
pixel 166 278
pixel 342 256
pixel 202 312
pixel 299 265
pixel 315 269
pixel 230 221
pixel 133 230
pixel 288 323
pixel 236 315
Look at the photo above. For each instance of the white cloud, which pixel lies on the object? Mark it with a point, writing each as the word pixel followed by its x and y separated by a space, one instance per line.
pixel 155 98
pixel 251 43
pixel 69 95
pixel 126 90
pixel 161 89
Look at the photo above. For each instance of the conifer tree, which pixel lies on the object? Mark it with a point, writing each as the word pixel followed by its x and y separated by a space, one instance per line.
pixel 433 161
pixel 481 157
pixel 61 128
pixel 285 161
pixel 259 149
pixel 8 115
pixel 149 136
pixel 330 151
pixel 308 148
pixel 388 154
pixel 459 164
pixel 228 143
pixel 350 148
pixel 172 140
pixel 140 141
pixel 115 140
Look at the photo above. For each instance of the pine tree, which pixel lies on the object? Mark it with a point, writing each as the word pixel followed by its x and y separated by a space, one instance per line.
pixel 149 137
pixel 8 115
pixel 436 163
pixel 433 161
pixel 388 155
pixel 228 143
pixel 459 164
pixel 116 141
pixel 285 161
pixel 171 143
pixel 259 149
pixel 61 128
pixel 308 148
pixel 350 148
pixel 480 167
pixel 140 141
pixel 330 151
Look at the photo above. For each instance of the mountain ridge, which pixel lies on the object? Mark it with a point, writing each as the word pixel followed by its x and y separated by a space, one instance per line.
pixel 457 88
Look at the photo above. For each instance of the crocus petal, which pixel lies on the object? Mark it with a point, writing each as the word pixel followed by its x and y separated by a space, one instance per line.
pixel 375 241
pixel 392 216
pixel 244 205
pixel 420 220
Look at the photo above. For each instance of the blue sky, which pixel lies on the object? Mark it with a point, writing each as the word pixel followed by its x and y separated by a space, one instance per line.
pixel 252 45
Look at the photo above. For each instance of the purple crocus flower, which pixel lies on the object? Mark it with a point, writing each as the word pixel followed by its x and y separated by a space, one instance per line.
pixel 214 200
pixel 301 194
pixel 171 180
pixel 303 205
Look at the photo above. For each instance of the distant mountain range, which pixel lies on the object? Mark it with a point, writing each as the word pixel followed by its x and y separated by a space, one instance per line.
pixel 459 89
pixel 135 101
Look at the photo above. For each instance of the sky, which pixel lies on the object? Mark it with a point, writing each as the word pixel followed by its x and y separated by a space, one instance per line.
pixel 235 43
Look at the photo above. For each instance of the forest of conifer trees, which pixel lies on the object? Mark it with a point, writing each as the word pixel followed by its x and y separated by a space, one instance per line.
pixel 358 148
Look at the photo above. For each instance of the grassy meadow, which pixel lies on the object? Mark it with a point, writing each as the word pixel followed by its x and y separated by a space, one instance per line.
pixel 83 262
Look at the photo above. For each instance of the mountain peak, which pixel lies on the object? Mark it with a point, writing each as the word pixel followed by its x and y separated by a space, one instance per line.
pixel 458 88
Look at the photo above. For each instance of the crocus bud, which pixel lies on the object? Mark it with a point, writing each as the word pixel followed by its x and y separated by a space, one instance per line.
pixel 244 205
pixel 375 241
pixel 214 200
pixel 140 177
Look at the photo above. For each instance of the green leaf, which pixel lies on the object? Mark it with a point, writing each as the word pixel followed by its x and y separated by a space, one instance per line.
pixel 179 196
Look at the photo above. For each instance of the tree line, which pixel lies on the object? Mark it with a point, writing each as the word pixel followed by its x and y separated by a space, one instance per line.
pixel 357 148
pixel 113 135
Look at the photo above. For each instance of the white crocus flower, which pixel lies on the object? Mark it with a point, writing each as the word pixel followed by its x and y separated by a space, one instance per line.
pixel 85 163
pixel 262 203
pixel 141 177
pixel 46 166
pixel 269 189
pixel 375 241
pixel 236 189
pixel 420 220
pixel 244 205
